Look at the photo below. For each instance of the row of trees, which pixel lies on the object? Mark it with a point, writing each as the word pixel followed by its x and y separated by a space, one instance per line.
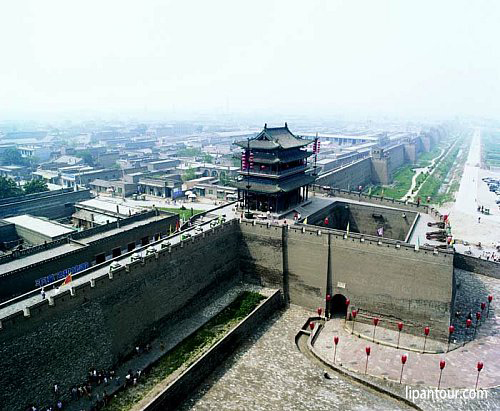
pixel 9 188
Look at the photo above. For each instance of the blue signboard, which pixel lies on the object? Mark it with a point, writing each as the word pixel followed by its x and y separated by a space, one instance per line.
pixel 61 274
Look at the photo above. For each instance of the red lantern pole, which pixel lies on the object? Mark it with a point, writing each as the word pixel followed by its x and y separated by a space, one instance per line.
pixel 490 299
pixel 404 357
pixel 311 326
pixel 354 314
pixel 442 364
pixel 375 323
pixel 347 302
pixel 367 350
pixel 426 332
pixel 320 311
pixel 327 310
pixel 336 341
pixel 468 323
pixel 400 327
pixel 479 368
pixel 451 329
pixel 483 306
pixel 478 318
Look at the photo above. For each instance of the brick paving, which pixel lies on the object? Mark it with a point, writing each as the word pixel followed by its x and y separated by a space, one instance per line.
pixel 268 372
pixel 423 369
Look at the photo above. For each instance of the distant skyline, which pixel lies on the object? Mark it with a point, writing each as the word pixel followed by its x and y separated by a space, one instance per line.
pixel 115 59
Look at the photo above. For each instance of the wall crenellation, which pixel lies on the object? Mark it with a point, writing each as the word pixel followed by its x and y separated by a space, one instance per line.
pixel 134 267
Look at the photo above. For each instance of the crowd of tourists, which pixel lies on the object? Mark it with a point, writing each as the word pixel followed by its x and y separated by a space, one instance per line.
pixel 96 388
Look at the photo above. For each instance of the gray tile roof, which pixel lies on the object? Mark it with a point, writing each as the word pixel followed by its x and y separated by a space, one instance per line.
pixel 275 138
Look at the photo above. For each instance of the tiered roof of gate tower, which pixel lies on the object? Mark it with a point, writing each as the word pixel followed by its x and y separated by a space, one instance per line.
pixel 278 175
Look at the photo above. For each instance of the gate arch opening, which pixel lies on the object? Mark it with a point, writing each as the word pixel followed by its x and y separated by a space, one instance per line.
pixel 337 306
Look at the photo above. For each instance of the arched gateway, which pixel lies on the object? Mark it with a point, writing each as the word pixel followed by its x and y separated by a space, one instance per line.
pixel 338 307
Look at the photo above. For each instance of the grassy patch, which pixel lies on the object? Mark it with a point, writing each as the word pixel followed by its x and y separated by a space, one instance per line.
pixel 425 158
pixel 184 213
pixel 188 351
pixel 431 187
pixel 401 185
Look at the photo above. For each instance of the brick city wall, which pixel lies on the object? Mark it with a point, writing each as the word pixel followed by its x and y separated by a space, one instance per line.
pixel 383 277
pixel 99 322
pixel 56 204
pixel 22 280
pixel 187 382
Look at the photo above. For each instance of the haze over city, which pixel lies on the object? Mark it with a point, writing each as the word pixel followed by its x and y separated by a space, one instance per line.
pixel 260 205
pixel 152 59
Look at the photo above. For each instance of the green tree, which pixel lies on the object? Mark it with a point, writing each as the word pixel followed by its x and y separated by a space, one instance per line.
pixel 207 158
pixel 87 157
pixel 8 188
pixel 35 186
pixel 190 174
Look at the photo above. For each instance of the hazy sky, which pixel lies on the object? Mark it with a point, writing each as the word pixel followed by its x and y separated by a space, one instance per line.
pixel 410 58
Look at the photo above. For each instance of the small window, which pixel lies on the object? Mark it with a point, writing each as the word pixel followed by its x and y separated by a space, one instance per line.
pixel 145 241
pixel 130 246
pixel 117 252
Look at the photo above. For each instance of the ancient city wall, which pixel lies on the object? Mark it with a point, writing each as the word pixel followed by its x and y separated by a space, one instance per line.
pixel 383 277
pixel 52 205
pixel 477 265
pixel 184 385
pixel 396 157
pixel 22 280
pixel 97 323
pixel 358 173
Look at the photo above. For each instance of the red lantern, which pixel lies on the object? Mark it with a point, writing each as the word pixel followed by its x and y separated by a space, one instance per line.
pixel 468 322
pixel 400 327
pixel 328 297
pixel 311 326
pixel 375 321
pixel 490 298
pixel 354 313
pixel 320 311
pixel 426 332
pixel 451 329
pixel 367 350
pixel 404 357
pixel 326 221
pixel 478 316
pixel 483 306
pixel 336 341
pixel 442 364
pixel 479 368
pixel 347 302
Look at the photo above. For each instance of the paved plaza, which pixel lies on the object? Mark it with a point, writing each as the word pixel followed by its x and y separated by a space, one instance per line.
pixel 267 372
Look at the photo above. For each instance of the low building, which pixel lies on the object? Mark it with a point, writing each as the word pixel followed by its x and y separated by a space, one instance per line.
pixel 162 164
pixel 96 212
pixel 14 172
pixel 36 230
pixel 36 152
pixel 215 192
pixel 119 188
pixel 165 186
